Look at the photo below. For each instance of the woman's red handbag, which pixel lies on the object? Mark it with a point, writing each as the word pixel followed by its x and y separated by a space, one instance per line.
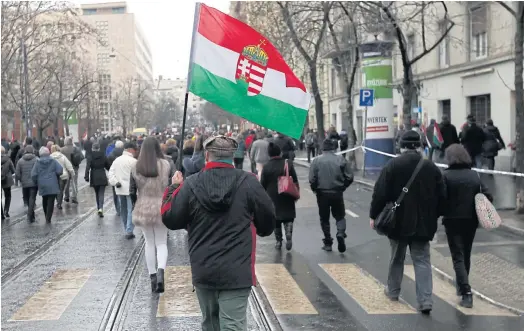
pixel 286 184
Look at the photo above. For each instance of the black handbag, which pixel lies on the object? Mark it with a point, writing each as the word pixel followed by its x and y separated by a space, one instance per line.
pixel 386 220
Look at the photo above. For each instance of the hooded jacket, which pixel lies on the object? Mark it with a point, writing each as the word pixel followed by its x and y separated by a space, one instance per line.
pixel 223 209
pixel 23 169
pixel 96 168
pixel 45 174
pixel 65 163
pixel 329 172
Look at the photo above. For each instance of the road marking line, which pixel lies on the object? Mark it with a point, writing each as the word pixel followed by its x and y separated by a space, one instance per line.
pixel 365 290
pixel 55 295
pixel 179 298
pixel 447 292
pixel 282 291
pixel 352 214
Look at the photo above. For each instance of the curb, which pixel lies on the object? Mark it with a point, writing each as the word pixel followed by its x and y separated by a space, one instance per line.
pixel 444 275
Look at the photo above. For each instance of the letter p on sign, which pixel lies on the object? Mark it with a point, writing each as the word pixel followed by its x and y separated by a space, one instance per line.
pixel 367 96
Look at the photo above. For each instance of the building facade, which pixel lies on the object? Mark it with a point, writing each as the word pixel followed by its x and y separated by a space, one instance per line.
pixel 122 55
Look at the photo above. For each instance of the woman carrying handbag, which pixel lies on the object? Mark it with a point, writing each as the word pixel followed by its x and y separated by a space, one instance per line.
pixel 274 173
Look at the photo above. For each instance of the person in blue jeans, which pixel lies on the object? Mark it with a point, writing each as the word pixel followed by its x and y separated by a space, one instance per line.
pixel 119 177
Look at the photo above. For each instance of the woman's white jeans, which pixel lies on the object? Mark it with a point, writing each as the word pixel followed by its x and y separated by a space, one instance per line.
pixel 156 238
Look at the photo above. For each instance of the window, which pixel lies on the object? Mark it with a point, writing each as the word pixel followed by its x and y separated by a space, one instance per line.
pixel 411 46
pixel 89 11
pixel 480 107
pixel 118 10
pixel 334 88
pixel 445 108
pixel 334 120
pixel 443 47
pixel 479 32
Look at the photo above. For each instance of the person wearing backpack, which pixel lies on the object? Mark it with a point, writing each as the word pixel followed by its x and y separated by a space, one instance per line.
pixel 311 144
pixel 75 156
pixel 8 169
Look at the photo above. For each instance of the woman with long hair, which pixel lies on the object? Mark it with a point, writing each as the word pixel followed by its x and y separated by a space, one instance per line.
pixel 460 218
pixel 149 179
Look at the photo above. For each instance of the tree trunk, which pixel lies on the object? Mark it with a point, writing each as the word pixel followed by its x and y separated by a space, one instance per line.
pixel 319 105
pixel 519 104
pixel 66 128
pixel 407 95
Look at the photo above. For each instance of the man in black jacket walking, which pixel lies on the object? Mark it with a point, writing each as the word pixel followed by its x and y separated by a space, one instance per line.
pixel 223 209
pixel 416 217
pixel 329 176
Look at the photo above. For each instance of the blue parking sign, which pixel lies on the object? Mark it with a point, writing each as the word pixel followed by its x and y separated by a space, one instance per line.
pixel 367 97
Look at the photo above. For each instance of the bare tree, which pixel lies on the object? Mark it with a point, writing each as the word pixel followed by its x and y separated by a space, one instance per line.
pixel 415 16
pixel 307 23
pixel 166 111
pixel 217 116
pixel 518 14
pixel 129 101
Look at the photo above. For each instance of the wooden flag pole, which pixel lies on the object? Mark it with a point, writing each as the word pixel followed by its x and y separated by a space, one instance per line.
pixel 186 98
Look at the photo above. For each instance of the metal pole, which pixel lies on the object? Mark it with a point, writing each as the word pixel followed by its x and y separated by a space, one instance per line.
pixel 364 140
pixel 26 94
pixel 181 142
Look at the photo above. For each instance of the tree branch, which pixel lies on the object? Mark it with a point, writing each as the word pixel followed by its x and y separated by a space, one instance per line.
pixel 508 8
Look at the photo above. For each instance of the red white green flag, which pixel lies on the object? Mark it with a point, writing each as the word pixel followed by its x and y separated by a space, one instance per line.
pixel 438 140
pixel 239 70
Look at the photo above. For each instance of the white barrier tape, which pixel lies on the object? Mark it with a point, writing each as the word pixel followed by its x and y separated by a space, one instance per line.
pixel 337 153
pixel 441 165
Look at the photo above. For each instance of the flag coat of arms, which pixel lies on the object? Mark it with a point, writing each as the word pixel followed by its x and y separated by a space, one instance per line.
pixel 239 70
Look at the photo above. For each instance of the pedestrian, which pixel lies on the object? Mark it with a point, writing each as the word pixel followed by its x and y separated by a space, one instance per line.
pixel 119 177
pixel 172 150
pixel 472 138
pixel 46 174
pixel 75 156
pixel 88 147
pixel 460 218
pixel 197 161
pixel 29 188
pixel 168 158
pixel 238 157
pixel 416 217
pixel 149 178
pixel 8 170
pixel 344 140
pixel 286 145
pixel 284 204
pixel 249 142
pixel 398 137
pixel 67 172
pixel 259 152
pixel 449 135
pixel 429 138
pixel 492 144
pixel 311 144
pixel 95 175
pixel 116 152
pixel 329 176
pixel 222 208
pixel 187 153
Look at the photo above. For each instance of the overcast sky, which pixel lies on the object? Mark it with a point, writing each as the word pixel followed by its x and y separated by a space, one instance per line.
pixel 167 25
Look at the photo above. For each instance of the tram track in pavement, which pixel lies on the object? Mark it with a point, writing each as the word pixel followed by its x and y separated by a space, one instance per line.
pixel 23 215
pixel 43 249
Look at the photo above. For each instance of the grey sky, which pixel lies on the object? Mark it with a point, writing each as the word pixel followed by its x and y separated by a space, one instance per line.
pixel 167 26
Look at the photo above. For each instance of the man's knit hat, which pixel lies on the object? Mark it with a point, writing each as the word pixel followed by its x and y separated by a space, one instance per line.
pixel 329 145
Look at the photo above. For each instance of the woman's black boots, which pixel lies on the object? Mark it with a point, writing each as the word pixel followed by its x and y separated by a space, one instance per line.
pixel 153 282
pixel 288 227
pixel 160 281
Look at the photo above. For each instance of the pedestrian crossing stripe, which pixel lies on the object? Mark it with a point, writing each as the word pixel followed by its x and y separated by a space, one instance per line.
pixel 447 292
pixel 53 298
pixel 178 298
pixel 282 291
pixel 365 289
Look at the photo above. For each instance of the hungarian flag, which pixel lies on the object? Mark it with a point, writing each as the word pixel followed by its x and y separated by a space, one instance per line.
pixel 437 136
pixel 239 70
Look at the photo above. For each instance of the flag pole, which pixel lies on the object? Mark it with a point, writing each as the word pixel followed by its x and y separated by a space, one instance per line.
pixel 190 69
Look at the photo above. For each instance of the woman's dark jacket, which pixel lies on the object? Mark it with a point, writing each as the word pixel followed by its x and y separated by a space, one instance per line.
pixel 418 213
pixel 96 169
pixel 462 184
pixel 286 146
pixel 284 204
pixel 493 142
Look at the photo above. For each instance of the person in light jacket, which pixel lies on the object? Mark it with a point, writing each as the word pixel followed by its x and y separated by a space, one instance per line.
pixel 259 153
pixel 67 172
pixel 46 174
pixel 119 177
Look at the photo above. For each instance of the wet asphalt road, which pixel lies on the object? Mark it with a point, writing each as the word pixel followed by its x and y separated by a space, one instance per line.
pixel 309 289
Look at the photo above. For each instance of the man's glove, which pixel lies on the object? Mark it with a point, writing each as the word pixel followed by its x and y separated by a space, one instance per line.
pixel 118 185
